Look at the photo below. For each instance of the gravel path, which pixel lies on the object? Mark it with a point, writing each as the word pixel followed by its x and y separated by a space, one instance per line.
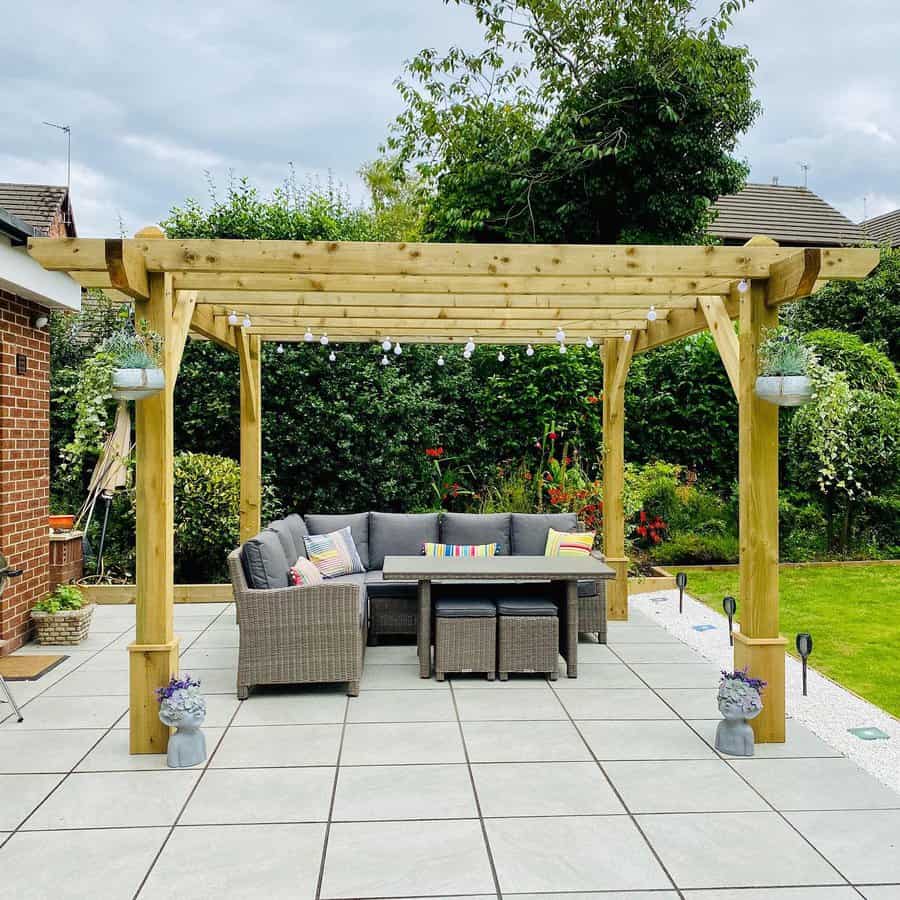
pixel 829 710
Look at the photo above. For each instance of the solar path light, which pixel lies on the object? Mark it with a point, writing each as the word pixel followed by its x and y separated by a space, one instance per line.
pixel 681 582
pixel 729 604
pixel 804 644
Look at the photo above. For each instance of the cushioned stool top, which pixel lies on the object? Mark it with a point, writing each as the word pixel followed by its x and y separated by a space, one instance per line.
pixel 465 609
pixel 526 606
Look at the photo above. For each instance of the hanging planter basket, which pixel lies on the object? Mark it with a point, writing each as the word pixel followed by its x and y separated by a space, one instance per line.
pixel 136 384
pixel 784 390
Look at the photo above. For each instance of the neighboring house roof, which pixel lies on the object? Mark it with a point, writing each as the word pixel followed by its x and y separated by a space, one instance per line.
pixel 790 215
pixel 37 205
pixel 884 229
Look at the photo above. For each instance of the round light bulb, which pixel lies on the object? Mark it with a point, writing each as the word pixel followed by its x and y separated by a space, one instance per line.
pixel 246 323
pixel 560 335
pixel 529 350
pixel 440 361
pixel 651 314
pixel 279 348
pixel 386 345
pixel 308 337
pixel 500 357
pixel 331 356
pixel 233 318
pixel 467 354
pixel 743 286
pixel 589 342
pixel 563 348
pixel 627 336
pixel 385 361
pixel 324 340
pixel 470 345
pixel 397 349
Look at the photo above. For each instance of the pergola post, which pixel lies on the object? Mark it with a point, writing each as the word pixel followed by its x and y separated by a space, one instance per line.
pixel 249 353
pixel 153 657
pixel 616 361
pixel 758 646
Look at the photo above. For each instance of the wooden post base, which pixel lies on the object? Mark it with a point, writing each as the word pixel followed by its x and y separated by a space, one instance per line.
pixel 617 591
pixel 764 658
pixel 150 667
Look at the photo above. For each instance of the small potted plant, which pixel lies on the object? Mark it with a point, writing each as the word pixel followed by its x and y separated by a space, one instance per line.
pixel 181 706
pixel 785 366
pixel 135 361
pixel 739 700
pixel 63 617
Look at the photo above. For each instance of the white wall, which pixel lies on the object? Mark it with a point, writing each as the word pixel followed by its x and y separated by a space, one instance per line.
pixel 20 274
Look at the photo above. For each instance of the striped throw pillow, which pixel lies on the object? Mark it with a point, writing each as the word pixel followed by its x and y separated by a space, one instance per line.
pixel 304 572
pixel 569 543
pixel 334 553
pixel 481 550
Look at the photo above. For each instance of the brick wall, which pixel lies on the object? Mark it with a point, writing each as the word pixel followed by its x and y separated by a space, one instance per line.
pixel 24 464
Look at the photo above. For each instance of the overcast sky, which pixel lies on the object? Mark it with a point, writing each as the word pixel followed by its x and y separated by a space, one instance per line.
pixel 157 93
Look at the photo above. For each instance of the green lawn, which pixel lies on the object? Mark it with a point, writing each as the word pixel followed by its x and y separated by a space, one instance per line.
pixel 852 613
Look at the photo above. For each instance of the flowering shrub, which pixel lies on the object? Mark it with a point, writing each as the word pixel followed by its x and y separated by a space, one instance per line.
pixel 180 699
pixel 446 485
pixel 650 530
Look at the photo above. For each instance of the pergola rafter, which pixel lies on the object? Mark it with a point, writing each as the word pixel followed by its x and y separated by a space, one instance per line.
pixel 446 293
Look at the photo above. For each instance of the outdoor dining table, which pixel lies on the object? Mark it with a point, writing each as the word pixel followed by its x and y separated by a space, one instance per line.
pixel 562 571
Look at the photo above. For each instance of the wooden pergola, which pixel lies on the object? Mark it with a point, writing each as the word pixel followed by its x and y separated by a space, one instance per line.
pixel 447 293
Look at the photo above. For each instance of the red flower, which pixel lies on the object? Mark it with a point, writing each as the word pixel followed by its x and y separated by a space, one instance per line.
pixel 435 452
pixel 527 476
pixel 537 445
pixel 552 435
pixel 643 516
pixel 592 399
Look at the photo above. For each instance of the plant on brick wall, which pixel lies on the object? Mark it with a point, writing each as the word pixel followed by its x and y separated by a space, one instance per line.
pixel 65 597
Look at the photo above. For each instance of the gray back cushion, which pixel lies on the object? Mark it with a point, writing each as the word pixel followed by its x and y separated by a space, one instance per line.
pixel 471 528
pixel 265 563
pixel 529 530
pixel 279 526
pixel 359 529
pixel 297 528
pixel 398 534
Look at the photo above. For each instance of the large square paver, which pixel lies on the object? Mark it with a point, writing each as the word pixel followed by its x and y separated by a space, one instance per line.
pixel 637 634
pixel 863 845
pixel 608 676
pixel 692 703
pixel 657 653
pixel 659 740
pixel 20 794
pixel 702 675
pixel 544 789
pixel 524 742
pixel 799 741
pixel 401 706
pixel 115 800
pixel 257 796
pixel 278 745
pixel 209 658
pixel 69 712
pixel 623 704
pixel 278 862
pixel 369 793
pixel 591 654
pixel 398 678
pixel 402 743
pixel 795 893
pixel 72 865
pixel 400 859
pixel 44 751
pixel 691 847
pixel 798 784
pixel 403 655
pixel 881 891
pixel 500 705
pixel 113 753
pixel 292 709
pixel 576 853
pixel 696 785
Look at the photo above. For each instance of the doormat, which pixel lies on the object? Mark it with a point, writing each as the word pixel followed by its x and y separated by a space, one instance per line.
pixel 28 667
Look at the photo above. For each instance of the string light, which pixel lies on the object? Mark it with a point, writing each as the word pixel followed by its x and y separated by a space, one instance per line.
pixel 233 318
pixel 651 314
pixel 246 323
pixel 627 336
pixel 308 337
pixel 529 350
pixel 324 340
pixel 743 286
pixel 280 348
pixel 470 347
pixel 560 334
pixel 500 357
pixel 332 356
pixel 440 360
pixel 386 345
pixel 589 342
pixel 467 354
pixel 385 361
pixel 397 349
pixel 563 348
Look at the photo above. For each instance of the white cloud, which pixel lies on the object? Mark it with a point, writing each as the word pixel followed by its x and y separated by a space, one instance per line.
pixel 166 151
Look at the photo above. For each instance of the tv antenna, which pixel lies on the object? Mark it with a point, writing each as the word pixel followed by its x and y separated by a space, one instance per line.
pixel 67 130
pixel 804 168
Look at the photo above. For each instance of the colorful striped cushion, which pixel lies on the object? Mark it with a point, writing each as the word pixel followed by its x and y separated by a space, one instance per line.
pixel 305 572
pixel 333 554
pixel 569 543
pixel 480 550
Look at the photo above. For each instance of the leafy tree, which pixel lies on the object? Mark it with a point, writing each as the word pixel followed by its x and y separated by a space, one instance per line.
pixel 866 367
pixel 587 121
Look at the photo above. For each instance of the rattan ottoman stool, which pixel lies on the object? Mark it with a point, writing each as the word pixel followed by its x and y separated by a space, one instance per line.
pixel 465 637
pixel 528 635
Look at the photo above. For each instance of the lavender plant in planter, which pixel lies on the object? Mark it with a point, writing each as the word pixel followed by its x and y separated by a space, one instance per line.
pixel 739 700
pixel 182 707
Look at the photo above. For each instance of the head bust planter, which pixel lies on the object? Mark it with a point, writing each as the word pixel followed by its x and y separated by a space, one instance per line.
pixel 180 703
pixel 739 700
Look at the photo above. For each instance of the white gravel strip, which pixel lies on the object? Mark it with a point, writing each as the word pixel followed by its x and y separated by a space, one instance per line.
pixel 829 710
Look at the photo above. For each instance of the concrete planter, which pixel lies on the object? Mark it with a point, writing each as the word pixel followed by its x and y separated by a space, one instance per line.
pixel 784 390
pixel 738 702
pixel 136 384
pixel 68 626
pixel 187 747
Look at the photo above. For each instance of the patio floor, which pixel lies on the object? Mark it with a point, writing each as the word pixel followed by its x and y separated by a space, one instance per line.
pixel 604 786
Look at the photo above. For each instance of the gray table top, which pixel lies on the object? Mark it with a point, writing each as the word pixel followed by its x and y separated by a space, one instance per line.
pixel 496 568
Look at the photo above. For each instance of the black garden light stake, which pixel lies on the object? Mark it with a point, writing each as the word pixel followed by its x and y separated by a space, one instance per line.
pixel 681 582
pixel 804 648
pixel 729 604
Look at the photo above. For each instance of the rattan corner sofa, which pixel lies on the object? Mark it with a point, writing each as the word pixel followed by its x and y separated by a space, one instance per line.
pixel 318 633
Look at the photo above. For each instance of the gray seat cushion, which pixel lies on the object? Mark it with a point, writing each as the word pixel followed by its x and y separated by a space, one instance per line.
pixel 378 587
pixel 399 534
pixel 359 529
pixel 465 609
pixel 529 530
pixel 280 527
pixel 265 562
pixel 298 530
pixel 526 606
pixel 472 528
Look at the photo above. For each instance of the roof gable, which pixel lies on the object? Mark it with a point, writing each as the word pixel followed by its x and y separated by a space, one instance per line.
pixel 37 204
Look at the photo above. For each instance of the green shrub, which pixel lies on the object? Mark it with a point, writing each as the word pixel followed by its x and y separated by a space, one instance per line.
pixel 867 368
pixel 65 597
pixel 696 549
pixel 802 527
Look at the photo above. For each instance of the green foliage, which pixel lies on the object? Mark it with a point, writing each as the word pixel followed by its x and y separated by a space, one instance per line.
pixel 137 348
pixel 869 308
pixel 782 352
pixel 802 529
pixel 396 199
pixel 65 597
pixel 696 549
pixel 866 367
pixel 596 121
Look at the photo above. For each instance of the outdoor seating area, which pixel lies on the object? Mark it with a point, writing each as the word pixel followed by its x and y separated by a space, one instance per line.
pixel 604 786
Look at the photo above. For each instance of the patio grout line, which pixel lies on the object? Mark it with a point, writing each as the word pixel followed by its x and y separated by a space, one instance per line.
pixel 484 834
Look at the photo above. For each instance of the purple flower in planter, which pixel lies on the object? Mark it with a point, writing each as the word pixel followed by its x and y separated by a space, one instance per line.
pixel 741 675
pixel 176 684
